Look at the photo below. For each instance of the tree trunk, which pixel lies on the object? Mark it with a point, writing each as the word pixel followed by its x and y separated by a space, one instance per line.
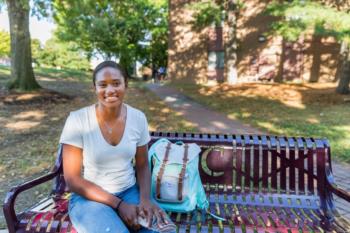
pixel 316 59
pixel 21 56
pixel 344 74
pixel 231 44
pixel 125 64
pixel 279 77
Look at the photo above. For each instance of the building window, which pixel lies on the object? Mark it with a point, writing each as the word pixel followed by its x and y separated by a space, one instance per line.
pixel 216 60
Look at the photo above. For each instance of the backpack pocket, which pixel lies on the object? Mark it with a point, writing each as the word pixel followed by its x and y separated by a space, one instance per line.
pixel 169 190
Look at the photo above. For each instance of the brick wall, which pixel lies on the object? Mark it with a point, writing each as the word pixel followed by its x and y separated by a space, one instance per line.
pixel 309 59
pixel 188 55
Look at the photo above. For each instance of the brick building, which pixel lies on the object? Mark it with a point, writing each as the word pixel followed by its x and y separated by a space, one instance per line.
pixel 198 56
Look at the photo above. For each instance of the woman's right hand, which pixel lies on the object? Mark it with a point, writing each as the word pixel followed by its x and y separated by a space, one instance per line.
pixel 128 214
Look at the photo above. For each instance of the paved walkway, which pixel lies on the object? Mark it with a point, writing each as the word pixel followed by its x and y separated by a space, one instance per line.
pixel 210 121
pixel 204 119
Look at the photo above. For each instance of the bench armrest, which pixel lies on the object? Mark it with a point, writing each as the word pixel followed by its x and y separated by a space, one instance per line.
pixel 334 188
pixel 9 203
pixel 340 192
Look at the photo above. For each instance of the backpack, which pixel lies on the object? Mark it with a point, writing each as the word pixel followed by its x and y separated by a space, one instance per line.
pixel 176 184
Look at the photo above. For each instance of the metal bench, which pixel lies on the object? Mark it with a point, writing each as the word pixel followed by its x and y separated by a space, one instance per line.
pixel 258 183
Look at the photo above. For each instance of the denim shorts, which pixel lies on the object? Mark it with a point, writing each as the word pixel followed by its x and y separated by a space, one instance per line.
pixel 94 217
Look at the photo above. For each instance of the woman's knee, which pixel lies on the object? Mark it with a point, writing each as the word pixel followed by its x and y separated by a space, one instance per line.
pixel 94 217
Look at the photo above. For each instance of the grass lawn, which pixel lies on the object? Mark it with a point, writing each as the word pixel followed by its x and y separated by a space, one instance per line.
pixel 312 110
pixel 32 122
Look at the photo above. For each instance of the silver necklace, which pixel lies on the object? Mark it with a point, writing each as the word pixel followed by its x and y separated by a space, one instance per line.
pixel 109 129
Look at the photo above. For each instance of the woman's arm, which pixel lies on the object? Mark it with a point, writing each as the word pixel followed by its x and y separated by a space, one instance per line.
pixel 147 208
pixel 143 174
pixel 72 165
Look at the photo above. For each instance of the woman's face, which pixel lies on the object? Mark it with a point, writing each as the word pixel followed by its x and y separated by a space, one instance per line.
pixel 110 87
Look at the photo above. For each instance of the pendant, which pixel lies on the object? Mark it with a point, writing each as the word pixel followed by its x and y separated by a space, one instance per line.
pixel 109 131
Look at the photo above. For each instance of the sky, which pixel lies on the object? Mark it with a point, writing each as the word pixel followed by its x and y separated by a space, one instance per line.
pixel 41 30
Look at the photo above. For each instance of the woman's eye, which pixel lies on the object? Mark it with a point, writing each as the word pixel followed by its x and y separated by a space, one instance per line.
pixel 102 85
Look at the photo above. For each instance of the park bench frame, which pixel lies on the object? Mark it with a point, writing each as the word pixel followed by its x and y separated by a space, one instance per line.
pixel 289 189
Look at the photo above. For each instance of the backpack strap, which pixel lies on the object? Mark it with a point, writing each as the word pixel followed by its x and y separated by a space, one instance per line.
pixel 161 170
pixel 182 173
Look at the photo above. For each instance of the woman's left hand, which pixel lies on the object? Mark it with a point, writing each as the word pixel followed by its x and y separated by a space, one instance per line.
pixel 147 209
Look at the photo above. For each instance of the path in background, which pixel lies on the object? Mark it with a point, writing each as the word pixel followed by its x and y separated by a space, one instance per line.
pixel 204 119
pixel 210 121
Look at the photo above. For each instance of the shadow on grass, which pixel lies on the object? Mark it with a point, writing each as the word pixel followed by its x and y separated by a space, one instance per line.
pixel 63 73
pixel 52 73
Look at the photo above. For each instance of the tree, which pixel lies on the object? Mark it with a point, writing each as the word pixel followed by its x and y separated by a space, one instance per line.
pixel 156 53
pixel 215 12
pixel 344 69
pixel 4 44
pixel 61 54
pixel 307 17
pixel 21 57
pixel 232 7
pixel 113 29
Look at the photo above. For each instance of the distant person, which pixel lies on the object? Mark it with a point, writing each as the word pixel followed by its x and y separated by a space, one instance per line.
pixel 161 73
pixel 104 138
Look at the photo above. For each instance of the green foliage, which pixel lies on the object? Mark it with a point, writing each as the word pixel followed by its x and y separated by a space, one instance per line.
pixel 299 17
pixel 41 8
pixel 4 44
pixel 61 55
pixel 156 52
pixel 114 29
pixel 37 50
pixel 207 13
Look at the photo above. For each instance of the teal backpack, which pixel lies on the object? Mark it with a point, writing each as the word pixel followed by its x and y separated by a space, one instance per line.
pixel 176 184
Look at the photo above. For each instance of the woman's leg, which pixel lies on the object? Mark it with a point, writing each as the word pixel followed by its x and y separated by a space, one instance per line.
pixel 94 217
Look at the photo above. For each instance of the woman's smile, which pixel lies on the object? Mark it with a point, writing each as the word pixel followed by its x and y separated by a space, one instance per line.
pixel 111 99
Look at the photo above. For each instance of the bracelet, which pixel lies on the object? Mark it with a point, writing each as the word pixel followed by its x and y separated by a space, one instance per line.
pixel 117 207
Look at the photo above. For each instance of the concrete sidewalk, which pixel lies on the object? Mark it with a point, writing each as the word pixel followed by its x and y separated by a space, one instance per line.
pixel 204 119
pixel 210 121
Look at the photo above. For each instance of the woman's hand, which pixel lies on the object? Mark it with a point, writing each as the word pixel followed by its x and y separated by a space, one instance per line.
pixel 147 210
pixel 128 214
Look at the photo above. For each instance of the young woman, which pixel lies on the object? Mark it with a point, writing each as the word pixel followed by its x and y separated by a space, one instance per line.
pixel 99 143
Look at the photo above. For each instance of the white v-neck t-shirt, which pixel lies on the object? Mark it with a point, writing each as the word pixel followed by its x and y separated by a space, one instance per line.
pixel 106 165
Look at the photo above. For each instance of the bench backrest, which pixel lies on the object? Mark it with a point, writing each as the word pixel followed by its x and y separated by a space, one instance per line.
pixel 254 163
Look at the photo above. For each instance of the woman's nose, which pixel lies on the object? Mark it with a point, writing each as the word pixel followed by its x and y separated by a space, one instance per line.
pixel 110 88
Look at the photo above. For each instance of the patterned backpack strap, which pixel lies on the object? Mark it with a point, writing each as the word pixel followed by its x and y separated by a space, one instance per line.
pixel 161 170
pixel 182 173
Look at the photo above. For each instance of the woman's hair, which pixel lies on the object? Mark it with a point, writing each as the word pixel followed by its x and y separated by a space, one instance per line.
pixel 111 64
